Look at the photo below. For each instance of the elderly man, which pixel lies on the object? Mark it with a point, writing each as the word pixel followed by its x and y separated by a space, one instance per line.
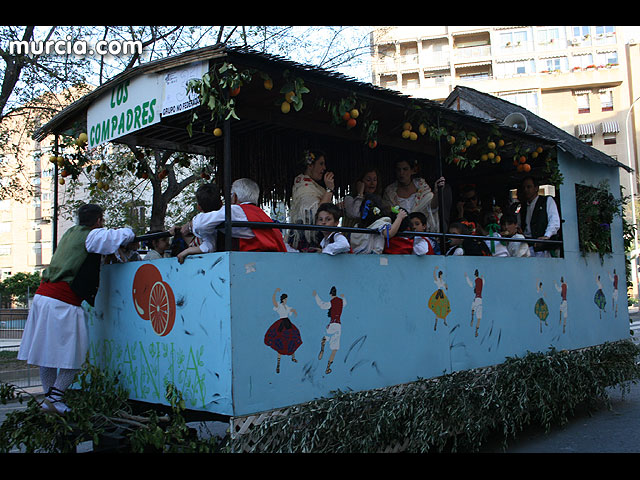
pixel 244 198
pixel 538 216
pixel 55 336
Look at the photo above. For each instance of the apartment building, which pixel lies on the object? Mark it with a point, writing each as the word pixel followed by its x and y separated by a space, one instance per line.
pixel 26 223
pixel 583 79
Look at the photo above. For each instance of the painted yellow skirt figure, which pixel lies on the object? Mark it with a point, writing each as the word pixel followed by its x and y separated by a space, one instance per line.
pixel 438 302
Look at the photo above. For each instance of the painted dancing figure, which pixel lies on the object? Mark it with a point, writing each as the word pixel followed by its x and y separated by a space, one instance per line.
pixel 563 302
pixel 334 329
pixel 476 306
pixel 614 296
pixel 283 336
pixel 438 302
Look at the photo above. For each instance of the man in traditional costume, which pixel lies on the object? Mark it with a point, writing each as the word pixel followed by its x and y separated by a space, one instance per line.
pixel 55 336
pixel 244 198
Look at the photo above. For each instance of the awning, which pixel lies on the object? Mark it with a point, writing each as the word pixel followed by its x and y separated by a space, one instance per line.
pixel 610 127
pixel 586 129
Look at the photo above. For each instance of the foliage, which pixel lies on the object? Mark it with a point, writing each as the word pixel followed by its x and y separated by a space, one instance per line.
pixel 457 412
pixel 18 286
pixel 100 413
pixel 596 209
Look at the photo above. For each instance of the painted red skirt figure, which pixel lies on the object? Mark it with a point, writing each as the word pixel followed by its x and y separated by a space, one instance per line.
pixel 283 336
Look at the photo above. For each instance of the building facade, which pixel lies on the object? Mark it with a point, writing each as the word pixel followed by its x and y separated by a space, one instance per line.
pixel 583 79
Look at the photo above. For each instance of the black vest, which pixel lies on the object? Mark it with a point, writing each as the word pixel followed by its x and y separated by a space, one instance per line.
pixel 539 218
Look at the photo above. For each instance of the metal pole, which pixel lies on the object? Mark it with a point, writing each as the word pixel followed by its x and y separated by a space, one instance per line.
pixel 632 182
pixel 54 220
pixel 227 186
pixel 443 239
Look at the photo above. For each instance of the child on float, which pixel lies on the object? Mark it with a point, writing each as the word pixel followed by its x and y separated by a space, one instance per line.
pixel 419 224
pixel 374 217
pixel 157 247
pixel 510 229
pixel 208 199
pixel 466 246
pixel 491 228
pixel 333 242
pixel 398 244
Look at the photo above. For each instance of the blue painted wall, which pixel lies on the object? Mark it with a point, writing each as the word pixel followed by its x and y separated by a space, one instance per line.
pixel 215 353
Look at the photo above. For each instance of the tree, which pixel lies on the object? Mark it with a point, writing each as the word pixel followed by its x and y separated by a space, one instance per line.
pixel 168 174
pixel 18 287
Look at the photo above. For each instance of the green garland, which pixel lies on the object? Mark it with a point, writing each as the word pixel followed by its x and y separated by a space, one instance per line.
pixel 458 412
pixel 596 208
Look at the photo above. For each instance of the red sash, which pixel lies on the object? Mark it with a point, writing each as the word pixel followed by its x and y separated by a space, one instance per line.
pixel 265 239
pixel 60 291
pixel 399 246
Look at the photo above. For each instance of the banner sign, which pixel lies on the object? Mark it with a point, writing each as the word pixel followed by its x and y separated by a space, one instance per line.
pixel 129 106
pixel 176 100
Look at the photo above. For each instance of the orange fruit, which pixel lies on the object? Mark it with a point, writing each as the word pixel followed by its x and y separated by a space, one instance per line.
pixel 406 126
pixel 498 159
pixel 354 113
pixel 413 136
pixel 526 167
pixel 484 157
pixel 491 155
pixel 451 139
pixel 351 123
pixel 523 159
pixel 373 144
pixel 268 84
pixel 234 91
pixel 285 107
pixel 406 133
pixel 289 96
pixel 346 116
pixel 539 149
pixel 501 143
pixel 422 129
pixel 217 132
pixel 534 154
pixel 491 145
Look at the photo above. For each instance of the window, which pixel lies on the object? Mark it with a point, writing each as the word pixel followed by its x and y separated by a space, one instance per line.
pixel 521 67
pixel 549 38
pixel 514 39
pixel 607 59
pixel 605 35
pixel 606 100
pixel 581 32
pixel 582 100
pixel 579 62
pixel 556 64
pixel 528 100
pixel 609 138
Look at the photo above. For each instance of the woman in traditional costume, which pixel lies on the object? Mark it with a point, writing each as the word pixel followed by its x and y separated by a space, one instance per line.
pixel 283 336
pixel 541 309
pixel 438 302
pixel 306 196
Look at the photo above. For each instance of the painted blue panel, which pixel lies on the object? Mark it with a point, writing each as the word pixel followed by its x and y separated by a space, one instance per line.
pixel 388 335
pixel 194 353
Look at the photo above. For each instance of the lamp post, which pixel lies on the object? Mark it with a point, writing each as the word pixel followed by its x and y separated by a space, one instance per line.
pixel 632 163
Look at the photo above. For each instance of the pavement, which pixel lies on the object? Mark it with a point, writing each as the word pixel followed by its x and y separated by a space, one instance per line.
pixel 612 429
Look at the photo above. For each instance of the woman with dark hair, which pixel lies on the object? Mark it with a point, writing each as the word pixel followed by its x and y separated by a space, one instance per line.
pixel 308 193
pixel 413 193
pixel 367 184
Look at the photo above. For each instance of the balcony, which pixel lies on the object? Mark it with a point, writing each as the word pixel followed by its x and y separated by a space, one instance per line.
pixel 471 54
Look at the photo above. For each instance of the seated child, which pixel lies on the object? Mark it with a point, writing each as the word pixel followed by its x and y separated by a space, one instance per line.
pixel 466 246
pixel 375 217
pixel 490 228
pixel 509 224
pixel 208 200
pixel 332 242
pixel 157 247
pixel 419 224
pixel 401 245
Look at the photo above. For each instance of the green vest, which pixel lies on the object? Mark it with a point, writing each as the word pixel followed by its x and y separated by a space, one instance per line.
pixel 72 263
pixel 69 256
